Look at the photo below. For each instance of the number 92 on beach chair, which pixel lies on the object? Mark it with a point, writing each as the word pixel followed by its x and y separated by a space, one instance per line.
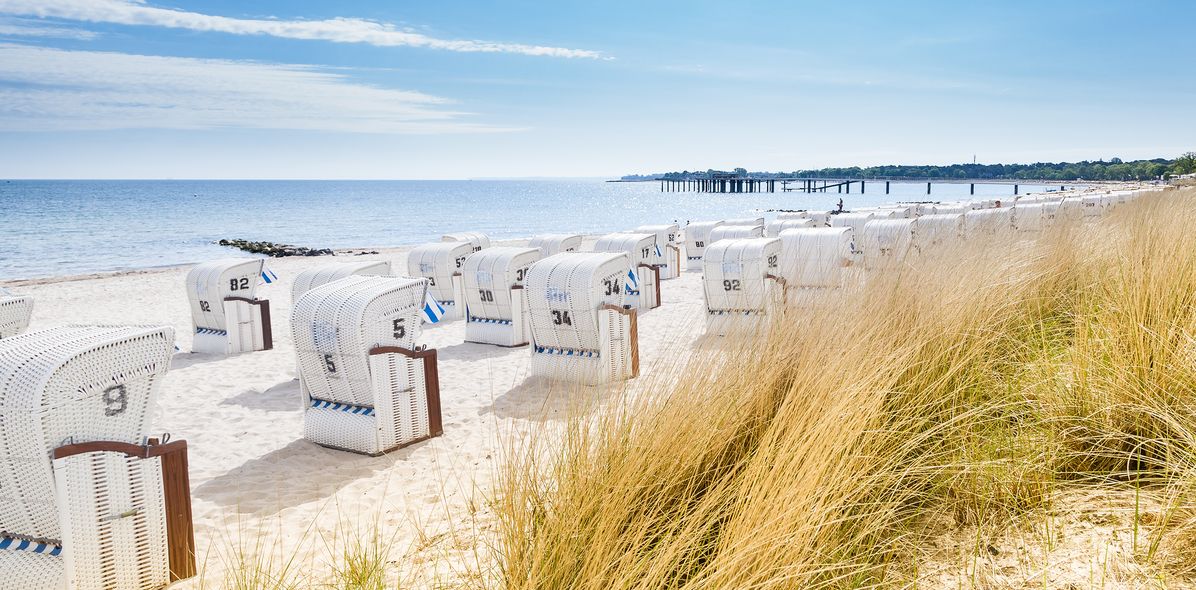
pixel 366 386
pixel 228 318
pixel 88 500
pixel 581 331
pixel 496 305
pixel 742 284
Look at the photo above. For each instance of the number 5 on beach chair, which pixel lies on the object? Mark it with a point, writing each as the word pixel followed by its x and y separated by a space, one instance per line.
pixel 88 501
pixel 228 318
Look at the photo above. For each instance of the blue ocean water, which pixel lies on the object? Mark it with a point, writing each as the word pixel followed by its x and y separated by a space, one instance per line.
pixel 67 227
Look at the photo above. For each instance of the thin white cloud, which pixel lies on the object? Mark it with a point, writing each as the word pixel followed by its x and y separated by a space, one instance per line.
pixel 53 89
pixel 340 30
pixel 19 27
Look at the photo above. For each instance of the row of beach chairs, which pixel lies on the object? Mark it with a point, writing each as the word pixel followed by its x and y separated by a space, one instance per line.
pixel 90 498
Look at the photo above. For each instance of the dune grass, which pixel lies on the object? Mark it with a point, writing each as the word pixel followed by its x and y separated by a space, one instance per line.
pixel 979 382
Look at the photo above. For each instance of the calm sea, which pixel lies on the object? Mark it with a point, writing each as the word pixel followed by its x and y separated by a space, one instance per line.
pixel 55 228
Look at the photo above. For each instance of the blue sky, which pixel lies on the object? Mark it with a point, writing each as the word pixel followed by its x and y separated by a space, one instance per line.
pixel 450 89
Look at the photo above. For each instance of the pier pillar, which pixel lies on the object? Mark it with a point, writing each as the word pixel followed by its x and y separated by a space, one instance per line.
pixel 862 185
pixel 886 187
pixel 973 189
pixel 928 188
pixel 1015 189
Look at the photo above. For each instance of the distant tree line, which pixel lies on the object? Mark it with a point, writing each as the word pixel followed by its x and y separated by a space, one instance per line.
pixel 1114 169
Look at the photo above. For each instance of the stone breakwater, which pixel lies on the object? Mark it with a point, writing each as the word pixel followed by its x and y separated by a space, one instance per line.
pixel 275 250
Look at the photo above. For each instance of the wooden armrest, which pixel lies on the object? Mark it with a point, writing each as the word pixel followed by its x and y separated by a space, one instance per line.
pixel 616 308
pixel 780 280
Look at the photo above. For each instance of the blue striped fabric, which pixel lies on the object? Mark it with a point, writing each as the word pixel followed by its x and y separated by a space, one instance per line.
pixel 488 320
pixel 735 312
pixel 350 408
pixel 566 352
pixel 12 544
pixel 210 331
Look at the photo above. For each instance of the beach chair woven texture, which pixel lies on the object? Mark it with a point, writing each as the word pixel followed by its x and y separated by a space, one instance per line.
pixel 939 230
pixel 439 262
pixel 668 248
pixel 740 282
pixel 816 257
pixel 887 242
pixel 495 302
pixel 729 231
pixel 641 250
pixel 94 519
pixel 774 228
pixel 15 313
pixel 312 278
pixel 697 235
pixel 979 222
pixel 476 239
pixel 573 337
pixel 1029 217
pixel 355 400
pixel 550 244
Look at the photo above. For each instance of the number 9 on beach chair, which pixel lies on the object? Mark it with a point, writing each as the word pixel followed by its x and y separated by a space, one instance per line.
pixel 228 319
pixel 697 235
pixel 87 500
pixel 642 286
pixel 581 331
pixel 366 387
pixel 550 244
pixel 667 249
pixel 476 239
pixel 312 278
pixel 742 284
pixel 441 264
pixel 15 312
pixel 496 305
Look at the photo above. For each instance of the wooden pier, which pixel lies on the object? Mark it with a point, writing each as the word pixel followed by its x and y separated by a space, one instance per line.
pixel 730 183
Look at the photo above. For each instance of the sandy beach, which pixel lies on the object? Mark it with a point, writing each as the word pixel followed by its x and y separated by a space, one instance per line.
pixel 255 480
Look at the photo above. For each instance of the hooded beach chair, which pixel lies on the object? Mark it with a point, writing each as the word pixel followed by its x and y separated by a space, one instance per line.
pixel 88 500
pixel 15 312
pixel 817 259
pixel 988 222
pixel 476 239
pixel 668 248
pixel 742 284
pixel 643 285
pixel 887 242
pixel 227 316
pixel 939 230
pixel 312 278
pixel 1029 218
pixel 366 386
pixel 774 228
pixel 495 300
pixel 550 244
pixel 441 264
pixel 581 330
pixel 855 220
pixel 697 235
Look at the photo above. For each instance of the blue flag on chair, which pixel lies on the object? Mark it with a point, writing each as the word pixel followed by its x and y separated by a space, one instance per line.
pixel 633 282
pixel 658 253
pixel 433 311
pixel 268 275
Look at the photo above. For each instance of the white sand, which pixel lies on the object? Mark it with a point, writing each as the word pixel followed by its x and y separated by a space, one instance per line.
pixel 255 480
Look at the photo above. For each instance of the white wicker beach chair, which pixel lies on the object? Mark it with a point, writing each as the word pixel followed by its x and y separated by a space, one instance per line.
pixel 729 231
pixel 856 221
pixel 477 239
pixel 817 258
pixel 15 312
pixel 1029 218
pixel 742 283
pixel 441 264
pixel 314 277
pixel 366 386
pixel 988 222
pixel 550 244
pixel 1074 210
pixel 938 230
pixel 697 235
pixel 495 300
pixel 774 228
pixel 887 242
pixel 644 292
pixel 668 248
pixel 228 318
pixel 87 499
pixel 581 331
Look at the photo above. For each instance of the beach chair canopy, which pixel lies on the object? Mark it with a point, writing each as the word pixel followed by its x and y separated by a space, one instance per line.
pixel 209 283
pixel 640 248
pixel 775 227
pixel 729 232
pixel 887 240
pixel 854 220
pixel 735 270
pixel 565 292
pixel 665 234
pixel 816 257
pixel 940 228
pixel 476 239
pixel 489 276
pixel 438 262
pixel 550 244
pixel 312 278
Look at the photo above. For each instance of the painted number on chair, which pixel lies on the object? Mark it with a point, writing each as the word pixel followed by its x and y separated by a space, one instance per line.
pixel 116 400
pixel 772 261
pixel 240 284
pixel 644 252
pixel 329 363
pixel 487 295
pixel 611 286
pixel 699 244
pixel 561 318
pixel 731 285
pixel 460 261
pixel 205 306
pixel 399 329
pixel 519 275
